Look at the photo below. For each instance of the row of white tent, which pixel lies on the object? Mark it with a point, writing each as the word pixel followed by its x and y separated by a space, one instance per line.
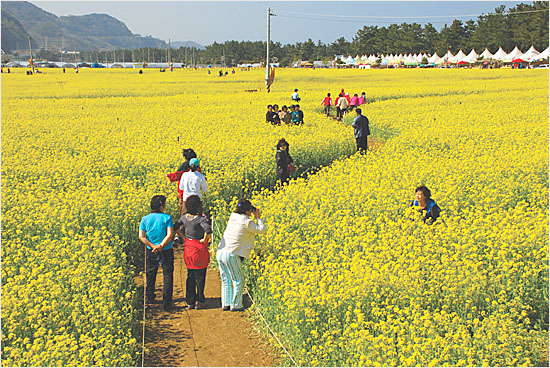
pixel 515 55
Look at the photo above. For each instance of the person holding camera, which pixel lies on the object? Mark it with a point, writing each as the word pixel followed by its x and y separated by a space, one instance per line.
pixel 236 244
pixel 285 163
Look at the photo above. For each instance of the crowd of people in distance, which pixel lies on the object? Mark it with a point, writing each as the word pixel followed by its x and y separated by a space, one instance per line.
pixel 291 115
pixel 343 103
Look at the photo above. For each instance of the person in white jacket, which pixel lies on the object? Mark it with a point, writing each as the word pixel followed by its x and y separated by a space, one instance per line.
pixel 236 244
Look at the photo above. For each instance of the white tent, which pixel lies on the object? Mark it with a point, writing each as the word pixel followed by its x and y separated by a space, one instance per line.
pixel 470 58
pixel 542 55
pixel 530 54
pixel 500 54
pixel 487 54
pixel 434 58
pixel 449 55
pixel 457 57
pixel 514 54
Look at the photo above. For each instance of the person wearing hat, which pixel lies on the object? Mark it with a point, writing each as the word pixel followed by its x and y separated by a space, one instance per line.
pixel 192 182
pixel 295 96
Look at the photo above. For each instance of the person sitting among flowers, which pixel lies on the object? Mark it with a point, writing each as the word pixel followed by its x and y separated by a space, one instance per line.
pixel 426 205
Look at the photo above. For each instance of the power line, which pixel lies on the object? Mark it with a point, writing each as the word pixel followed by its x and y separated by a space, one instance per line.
pixel 410 17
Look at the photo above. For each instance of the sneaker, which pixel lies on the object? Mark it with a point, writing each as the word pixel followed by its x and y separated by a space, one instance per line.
pixel 226 308
pixel 191 306
pixel 200 305
pixel 237 309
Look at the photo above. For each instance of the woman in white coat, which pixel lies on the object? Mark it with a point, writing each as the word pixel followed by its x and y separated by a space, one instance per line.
pixel 236 244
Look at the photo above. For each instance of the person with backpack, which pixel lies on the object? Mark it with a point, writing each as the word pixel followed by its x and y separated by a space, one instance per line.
pixel 341 106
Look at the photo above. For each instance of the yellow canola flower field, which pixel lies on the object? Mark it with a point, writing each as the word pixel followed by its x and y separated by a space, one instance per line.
pixel 348 275
pixel 82 155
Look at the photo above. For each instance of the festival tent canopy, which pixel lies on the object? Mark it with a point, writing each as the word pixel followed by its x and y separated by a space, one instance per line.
pixel 457 57
pixel 470 58
pixel 530 54
pixel 487 54
pixel 434 58
pixel 449 55
pixel 542 55
pixel 500 54
pixel 514 54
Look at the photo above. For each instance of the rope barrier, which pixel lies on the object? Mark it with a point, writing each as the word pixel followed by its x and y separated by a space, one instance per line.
pixel 144 305
pixel 270 330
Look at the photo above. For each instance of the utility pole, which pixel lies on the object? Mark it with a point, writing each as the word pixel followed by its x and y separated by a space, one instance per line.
pixel 194 65
pixel 267 64
pixel 169 55
pixel 186 56
pixel 30 52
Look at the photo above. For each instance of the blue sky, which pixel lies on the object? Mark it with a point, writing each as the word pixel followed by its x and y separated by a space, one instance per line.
pixel 295 21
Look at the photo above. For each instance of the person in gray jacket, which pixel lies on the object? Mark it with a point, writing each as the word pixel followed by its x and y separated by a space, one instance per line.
pixel 361 126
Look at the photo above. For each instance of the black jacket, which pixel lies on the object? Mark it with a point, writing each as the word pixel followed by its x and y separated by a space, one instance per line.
pixel 283 159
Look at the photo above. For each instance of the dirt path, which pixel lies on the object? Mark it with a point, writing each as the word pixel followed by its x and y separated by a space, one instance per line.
pixel 202 338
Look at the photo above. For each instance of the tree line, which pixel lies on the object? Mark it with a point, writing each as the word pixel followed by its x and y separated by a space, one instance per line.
pixel 501 28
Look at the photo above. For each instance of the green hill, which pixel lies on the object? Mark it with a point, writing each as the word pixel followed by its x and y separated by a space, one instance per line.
pixel 85 32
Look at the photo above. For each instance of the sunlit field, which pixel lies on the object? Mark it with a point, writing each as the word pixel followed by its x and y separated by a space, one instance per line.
pixel 346 274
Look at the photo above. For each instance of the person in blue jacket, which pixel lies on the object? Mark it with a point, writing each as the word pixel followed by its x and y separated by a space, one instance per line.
pixel 426 204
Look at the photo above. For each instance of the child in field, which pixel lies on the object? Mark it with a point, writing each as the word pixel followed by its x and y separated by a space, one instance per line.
pixel 327 102
pixel 298 116
pixel 196 230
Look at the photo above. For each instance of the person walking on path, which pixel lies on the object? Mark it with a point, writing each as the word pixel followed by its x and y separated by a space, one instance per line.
pixel 284 160
pixel 423 202
pixel 188 154
pixel 196 230
pixel 361 126
pixel 327 103
pixel 341 106
pixel 354 103
pixel 295 96
pixel 236 244
pixel 192 182
pixel 156 231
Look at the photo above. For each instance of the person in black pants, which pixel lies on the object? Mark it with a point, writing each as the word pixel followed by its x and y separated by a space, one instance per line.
pixel 284 160
pixel 196 230
pixel 156 231
pixel 361 126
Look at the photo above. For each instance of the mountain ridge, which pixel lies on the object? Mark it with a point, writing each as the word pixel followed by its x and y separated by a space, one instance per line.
pixel 89 32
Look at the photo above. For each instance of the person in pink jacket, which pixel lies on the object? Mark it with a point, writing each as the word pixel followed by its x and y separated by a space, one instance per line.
pixel 354 102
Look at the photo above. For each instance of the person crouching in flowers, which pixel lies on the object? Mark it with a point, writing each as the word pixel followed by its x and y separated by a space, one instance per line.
pixel 426 205
pixel 196 230
pixel 156 231
pixel 236 244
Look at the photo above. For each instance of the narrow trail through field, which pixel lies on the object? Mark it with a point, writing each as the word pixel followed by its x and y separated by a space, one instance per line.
pixel 208 337
pixel 202 338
